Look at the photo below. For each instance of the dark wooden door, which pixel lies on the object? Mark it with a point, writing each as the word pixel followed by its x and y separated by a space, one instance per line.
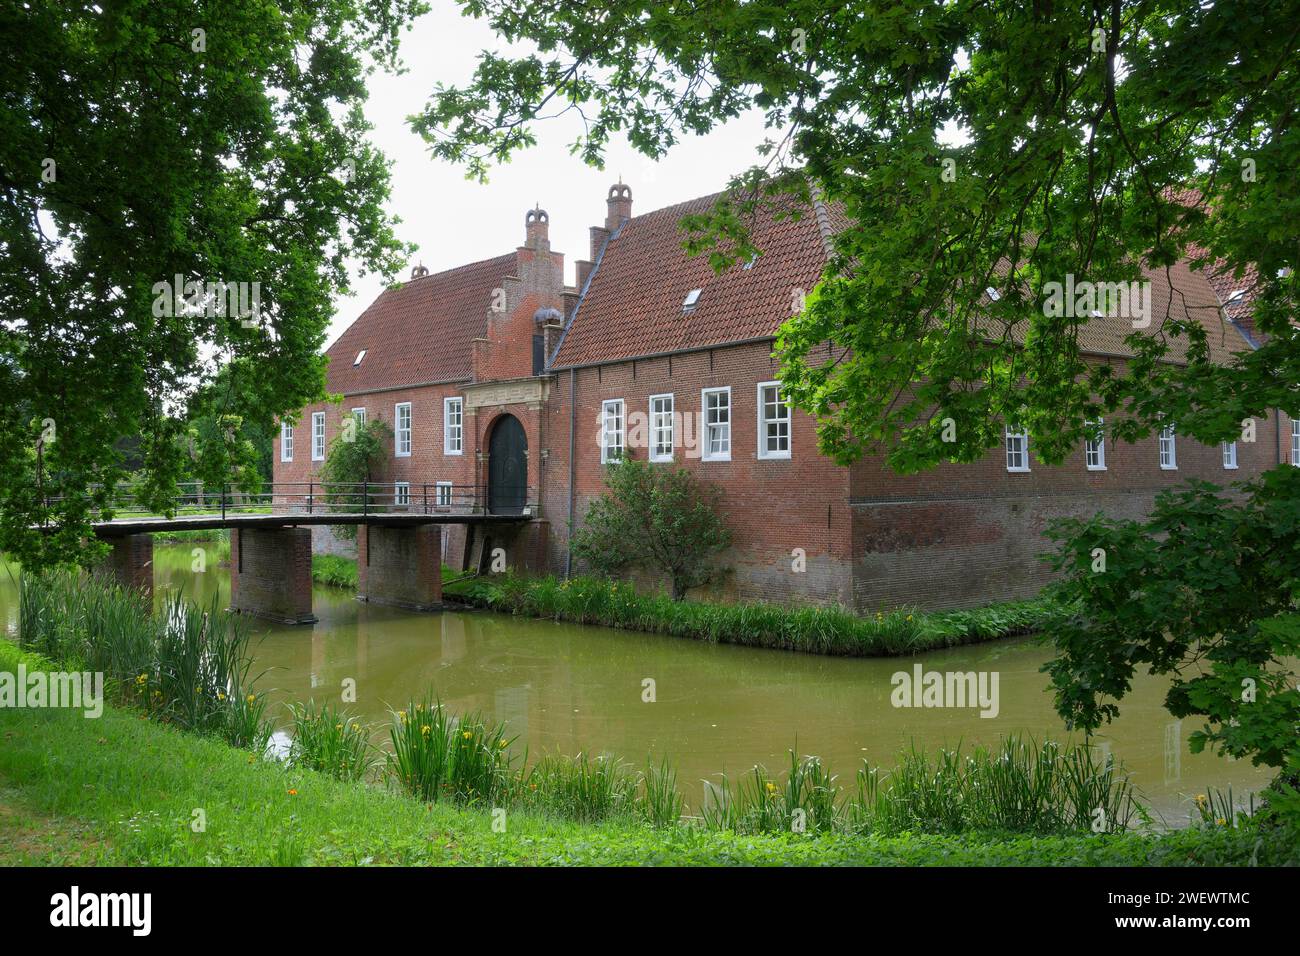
pixel 507 467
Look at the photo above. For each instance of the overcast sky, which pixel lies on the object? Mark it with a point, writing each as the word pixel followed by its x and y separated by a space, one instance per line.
pixel 455 221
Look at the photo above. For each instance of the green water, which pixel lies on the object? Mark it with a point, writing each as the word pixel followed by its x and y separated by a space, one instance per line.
pixel 718 708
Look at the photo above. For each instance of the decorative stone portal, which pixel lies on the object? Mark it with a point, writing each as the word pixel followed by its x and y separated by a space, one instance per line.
pixel 130 562
pixel 270 573
pixel 400 567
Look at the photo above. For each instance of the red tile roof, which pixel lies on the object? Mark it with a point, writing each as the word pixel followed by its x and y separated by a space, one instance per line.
pixel 419 331
pixel 633 303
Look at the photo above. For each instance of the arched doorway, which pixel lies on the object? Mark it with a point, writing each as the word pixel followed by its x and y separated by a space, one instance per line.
pixel 507 467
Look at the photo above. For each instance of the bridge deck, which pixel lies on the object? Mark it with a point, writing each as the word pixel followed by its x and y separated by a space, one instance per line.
pixel 122 526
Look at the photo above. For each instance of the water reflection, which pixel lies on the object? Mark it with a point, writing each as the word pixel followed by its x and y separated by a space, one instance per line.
pixel 568 688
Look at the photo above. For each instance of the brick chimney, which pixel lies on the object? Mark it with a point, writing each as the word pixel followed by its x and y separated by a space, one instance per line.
pixel 536 228
pixel 619 205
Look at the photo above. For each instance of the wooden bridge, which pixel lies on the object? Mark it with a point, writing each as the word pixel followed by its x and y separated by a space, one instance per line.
pixel 399 539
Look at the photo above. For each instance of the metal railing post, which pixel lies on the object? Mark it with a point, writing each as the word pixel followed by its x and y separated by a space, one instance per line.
pixel 365 498
pixel 311 495
pixel 223 501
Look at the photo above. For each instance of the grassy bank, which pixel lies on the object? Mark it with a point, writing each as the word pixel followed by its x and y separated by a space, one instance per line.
pixel 334 571
pixel 815 630
pixel 125 791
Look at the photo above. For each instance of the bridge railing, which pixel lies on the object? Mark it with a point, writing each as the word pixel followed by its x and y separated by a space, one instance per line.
pixel 196 499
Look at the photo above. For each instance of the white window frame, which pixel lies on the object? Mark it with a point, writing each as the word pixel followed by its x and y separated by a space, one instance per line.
pixel 286 440
pixel 1094 449
pixel 1230 455
pixel 441 500
pixel 617 406
pixel 1021 436
pixel 398 439
pixel 1295 442
pixel 401 494
pixel 763 422
pixel 456 431
pixel 317 436
pixel 724 427
pixel 360 415
pixel 1167 445
pixel 657 426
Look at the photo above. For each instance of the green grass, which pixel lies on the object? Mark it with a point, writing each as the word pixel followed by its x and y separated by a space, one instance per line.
pixel 332 570
pixel 815 630
pixel 122 790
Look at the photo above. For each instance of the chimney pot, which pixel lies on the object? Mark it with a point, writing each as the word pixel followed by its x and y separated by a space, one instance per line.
pixel 619 205
pixel 536 228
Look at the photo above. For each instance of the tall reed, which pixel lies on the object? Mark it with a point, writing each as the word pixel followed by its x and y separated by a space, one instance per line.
pixel 183 664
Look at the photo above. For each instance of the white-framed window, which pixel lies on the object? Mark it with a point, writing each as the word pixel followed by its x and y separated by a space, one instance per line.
pixel 1295 442
pixel 1094 447
pixel 1017 448
pixel 360 415
pixel 442 494
pixel 661 427
pixel 317 436
pixel 1168 449
pixel 612 430
pixel 402 493
pixel 286 441
pixel 1230 455
pixel 453 426
pixel 716 405
pixel 773 422
pixel 402 431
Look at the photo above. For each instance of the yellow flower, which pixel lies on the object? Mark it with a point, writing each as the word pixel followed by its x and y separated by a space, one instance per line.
pixel 293 793
pixel 1222 821
pixel 467 735
pixel 142 679
pixel 252 698
pixel 1200 800
pixel 909 617
pixel 502 744
pixel 425 730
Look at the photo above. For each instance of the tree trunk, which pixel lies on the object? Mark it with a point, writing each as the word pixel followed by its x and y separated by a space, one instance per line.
pixel 679 589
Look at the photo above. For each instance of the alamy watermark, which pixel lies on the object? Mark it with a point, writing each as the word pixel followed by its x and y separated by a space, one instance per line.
pixel 922 688
pixel 82 691
pixel 220 299
pixel 1084 299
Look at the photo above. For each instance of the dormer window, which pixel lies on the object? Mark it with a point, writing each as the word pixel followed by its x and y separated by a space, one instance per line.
pixel 692 298
pixel 360 356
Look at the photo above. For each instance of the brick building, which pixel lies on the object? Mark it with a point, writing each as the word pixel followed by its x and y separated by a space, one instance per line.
pixel 507 390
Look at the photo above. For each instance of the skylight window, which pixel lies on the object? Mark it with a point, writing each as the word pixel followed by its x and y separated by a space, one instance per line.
pixel 1235 296
pixel 993 293
pixel 691 299
pixel 360 356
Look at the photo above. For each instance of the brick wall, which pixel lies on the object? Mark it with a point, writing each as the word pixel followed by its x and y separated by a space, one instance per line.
pixel 773 506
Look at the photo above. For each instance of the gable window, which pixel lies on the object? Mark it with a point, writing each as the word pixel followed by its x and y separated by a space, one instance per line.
pixel 717 424
pixel 1230 454
pixel 453 426
pixel 317 436
pixel 1094 448
pixel 1295 441
pixel 611 430
pixel 661 428
pixel 442 494
pixel 1017 449
pixel 1168 450
pixel 402 493
pixel 773 422
pixel 402 435
pixel 286 441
